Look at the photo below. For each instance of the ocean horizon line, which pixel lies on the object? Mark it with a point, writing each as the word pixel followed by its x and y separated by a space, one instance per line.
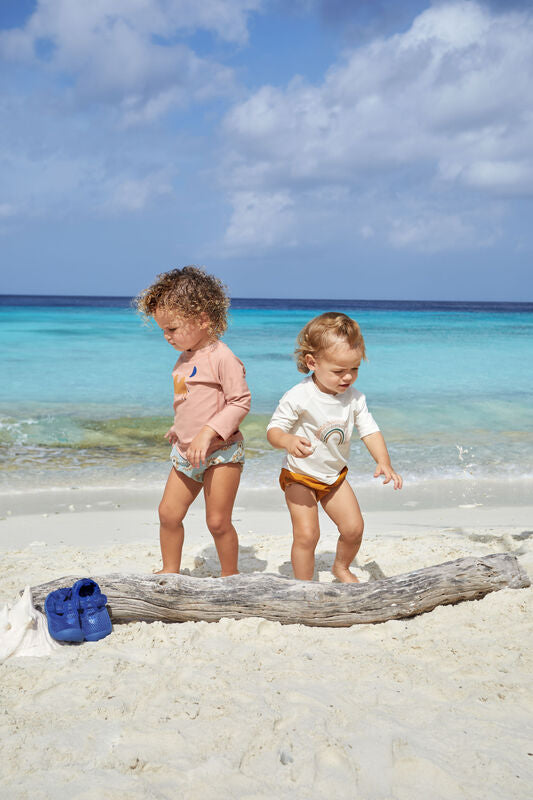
pixel 124 301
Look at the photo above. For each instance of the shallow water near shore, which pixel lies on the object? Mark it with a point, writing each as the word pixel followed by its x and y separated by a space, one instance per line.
pixel 86 395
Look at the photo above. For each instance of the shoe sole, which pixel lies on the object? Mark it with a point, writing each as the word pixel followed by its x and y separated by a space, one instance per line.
pixel 67 635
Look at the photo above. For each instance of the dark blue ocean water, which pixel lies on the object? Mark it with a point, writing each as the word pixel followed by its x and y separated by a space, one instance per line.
pixel 86 386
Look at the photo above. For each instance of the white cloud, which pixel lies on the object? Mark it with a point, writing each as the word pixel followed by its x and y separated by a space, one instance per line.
pixel 503 177
pixel 87 87
pixel 432 232
pixel 59 185
pixel 259 220
pixel 443 110
pixel 36 187
pixel 134 195
pixel 129 51
pixel 7 210
pixel 367 232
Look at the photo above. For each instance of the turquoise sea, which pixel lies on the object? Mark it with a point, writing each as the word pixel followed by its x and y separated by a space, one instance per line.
pixel 85 394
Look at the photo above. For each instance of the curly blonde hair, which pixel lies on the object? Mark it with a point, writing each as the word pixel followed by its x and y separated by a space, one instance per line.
pixel 187 292
pixel 325 331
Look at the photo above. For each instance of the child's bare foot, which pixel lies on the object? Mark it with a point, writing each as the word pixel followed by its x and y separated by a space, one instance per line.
pixel 343 574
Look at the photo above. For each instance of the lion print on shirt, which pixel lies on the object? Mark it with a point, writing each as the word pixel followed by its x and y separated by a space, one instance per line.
pixel 180 387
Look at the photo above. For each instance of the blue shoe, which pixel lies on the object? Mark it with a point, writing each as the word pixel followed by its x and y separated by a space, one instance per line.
pixel 61 611
pixel 93 614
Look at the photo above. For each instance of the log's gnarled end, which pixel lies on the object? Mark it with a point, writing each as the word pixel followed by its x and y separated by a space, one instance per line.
pixel 180 598
pixel 519 579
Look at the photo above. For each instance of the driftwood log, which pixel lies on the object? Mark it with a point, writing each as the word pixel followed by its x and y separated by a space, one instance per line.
pixel 180 598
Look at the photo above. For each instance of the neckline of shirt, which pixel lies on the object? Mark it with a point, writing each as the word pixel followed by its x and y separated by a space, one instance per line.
pixel 208 346
pixel 330 398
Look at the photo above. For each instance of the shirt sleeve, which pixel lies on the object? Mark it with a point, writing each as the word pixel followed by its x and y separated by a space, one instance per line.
pixel 364 421
pixel 286 414
pixel 237 396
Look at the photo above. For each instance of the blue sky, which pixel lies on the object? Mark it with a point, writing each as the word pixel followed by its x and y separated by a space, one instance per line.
pixel 305 148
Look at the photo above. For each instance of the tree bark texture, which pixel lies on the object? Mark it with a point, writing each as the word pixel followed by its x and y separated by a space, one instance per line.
pixel 180 598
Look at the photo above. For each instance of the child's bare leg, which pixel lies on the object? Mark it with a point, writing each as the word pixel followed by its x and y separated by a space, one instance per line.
pixel 342 507
pixel 303 509
pixel 179 493
pixel 220 489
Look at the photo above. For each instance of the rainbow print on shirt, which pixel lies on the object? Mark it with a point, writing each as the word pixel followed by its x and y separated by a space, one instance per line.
pixel 332 430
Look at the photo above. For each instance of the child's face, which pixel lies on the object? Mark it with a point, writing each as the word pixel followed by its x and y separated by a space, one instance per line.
pixel 336 368
pixel 184 333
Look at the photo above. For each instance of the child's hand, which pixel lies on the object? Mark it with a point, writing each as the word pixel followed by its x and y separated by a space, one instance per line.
pixel 197 450
pixel 298 446
pixel 390 475
pixel 171 436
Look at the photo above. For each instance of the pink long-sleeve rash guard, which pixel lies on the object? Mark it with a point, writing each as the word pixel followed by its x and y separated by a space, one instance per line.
pixel 209 389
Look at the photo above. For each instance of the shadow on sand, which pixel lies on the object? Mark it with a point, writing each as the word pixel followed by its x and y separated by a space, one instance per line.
pixel 207 565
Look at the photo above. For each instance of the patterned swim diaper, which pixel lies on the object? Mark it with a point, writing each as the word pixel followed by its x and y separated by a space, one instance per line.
pixel 231 454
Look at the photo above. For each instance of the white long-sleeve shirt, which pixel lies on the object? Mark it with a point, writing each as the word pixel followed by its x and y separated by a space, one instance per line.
pixel 327 420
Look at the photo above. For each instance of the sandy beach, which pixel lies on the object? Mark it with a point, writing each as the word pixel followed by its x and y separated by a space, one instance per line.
pixel 219 215
pixel 437 705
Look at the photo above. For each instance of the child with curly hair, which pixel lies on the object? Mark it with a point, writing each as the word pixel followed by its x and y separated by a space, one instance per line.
pixel 211 398
pixel 313 423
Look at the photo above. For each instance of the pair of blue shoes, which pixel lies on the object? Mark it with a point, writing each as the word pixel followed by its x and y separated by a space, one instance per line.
pixel 78 613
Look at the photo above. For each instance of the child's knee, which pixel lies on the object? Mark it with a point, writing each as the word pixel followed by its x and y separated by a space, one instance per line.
pixel 169 515
pixel 353 533
pixel 218 524
pixel 306 536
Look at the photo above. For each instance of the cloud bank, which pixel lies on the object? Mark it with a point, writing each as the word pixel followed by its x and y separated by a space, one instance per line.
pixel 421 137
pixel 418 141
pixel 129 52
pixel 88 93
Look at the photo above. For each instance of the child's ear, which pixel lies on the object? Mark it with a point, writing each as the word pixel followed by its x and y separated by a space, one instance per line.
pixel 310 362
pixel 203 320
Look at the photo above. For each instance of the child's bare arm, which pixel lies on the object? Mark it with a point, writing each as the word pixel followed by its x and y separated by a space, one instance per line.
pixel 375 444
pixel 297 446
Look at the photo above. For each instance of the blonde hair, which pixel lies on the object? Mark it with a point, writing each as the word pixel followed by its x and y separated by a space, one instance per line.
pixel 325 331
pixel 188 292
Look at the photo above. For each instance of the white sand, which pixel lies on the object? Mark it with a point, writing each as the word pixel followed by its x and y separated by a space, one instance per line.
pixel 437 706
